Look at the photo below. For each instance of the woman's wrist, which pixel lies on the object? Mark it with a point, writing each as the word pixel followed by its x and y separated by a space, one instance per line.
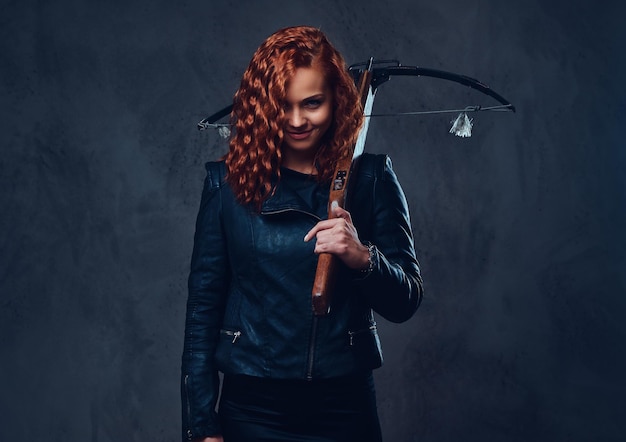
pixel 371 259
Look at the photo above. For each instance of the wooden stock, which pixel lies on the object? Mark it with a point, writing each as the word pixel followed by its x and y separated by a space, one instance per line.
pixel 327 263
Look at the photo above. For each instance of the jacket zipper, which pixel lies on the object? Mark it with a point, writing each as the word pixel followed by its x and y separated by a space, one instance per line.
pixel 311 355
pixel 309 373
pixel 189 433
pixel 276 212
pixel 358 332
pixel 234 334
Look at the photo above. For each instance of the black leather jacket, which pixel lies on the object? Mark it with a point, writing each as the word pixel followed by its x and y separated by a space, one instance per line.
pixel 249 307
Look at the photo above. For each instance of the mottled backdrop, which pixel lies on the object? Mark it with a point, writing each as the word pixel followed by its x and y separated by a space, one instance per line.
pixel 519 229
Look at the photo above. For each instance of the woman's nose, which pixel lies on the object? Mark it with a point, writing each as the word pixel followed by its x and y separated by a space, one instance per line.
pixel 295 118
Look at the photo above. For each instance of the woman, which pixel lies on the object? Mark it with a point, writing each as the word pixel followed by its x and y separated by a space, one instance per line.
pixel 289 375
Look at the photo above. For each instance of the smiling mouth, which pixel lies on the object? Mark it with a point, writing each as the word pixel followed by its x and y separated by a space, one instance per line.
pixel 299 135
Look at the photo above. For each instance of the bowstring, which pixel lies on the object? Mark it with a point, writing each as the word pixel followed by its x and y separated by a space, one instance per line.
pixel 500 108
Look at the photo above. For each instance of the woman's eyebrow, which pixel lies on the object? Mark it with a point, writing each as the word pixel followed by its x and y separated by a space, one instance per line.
pixel 316 97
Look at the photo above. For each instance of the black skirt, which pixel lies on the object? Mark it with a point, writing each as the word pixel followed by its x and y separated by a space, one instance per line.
pixel 327 410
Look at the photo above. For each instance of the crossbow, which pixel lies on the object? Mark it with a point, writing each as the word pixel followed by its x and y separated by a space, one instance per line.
pixel 381 72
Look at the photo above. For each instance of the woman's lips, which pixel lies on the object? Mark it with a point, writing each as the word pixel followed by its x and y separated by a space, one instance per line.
pixel 299 135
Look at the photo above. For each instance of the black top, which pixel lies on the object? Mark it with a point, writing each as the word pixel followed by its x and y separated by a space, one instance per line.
pixel 313 193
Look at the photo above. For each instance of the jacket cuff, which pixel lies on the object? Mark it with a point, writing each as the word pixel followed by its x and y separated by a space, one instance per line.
pixel 202 431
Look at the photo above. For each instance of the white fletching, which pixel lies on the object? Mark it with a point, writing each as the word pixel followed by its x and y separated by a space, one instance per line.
pixel 462 126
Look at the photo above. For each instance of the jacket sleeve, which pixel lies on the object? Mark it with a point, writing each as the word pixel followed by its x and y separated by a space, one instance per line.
pixel 208 285
pixel 394 287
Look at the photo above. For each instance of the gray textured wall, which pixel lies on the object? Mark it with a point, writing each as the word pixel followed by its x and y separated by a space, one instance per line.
pixel 519 229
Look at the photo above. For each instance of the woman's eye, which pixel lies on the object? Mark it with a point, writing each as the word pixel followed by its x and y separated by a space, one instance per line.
pixel 313 103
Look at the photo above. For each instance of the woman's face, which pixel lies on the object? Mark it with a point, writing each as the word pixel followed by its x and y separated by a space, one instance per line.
pixel 308 113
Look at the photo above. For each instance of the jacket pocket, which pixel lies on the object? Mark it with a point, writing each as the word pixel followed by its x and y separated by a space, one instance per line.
pixel 365 346
pixel 226 347
pixel 232 334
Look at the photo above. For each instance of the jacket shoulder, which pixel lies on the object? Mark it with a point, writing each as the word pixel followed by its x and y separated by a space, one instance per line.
pixel 216 174
pixel 373 165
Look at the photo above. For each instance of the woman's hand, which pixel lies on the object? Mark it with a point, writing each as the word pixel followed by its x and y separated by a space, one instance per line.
pixel 339 237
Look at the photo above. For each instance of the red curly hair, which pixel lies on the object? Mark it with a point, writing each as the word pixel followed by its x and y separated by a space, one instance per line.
pixel 254 159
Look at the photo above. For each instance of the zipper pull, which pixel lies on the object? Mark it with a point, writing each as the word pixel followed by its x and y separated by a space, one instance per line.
pixel 236 336
pixel 351 337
